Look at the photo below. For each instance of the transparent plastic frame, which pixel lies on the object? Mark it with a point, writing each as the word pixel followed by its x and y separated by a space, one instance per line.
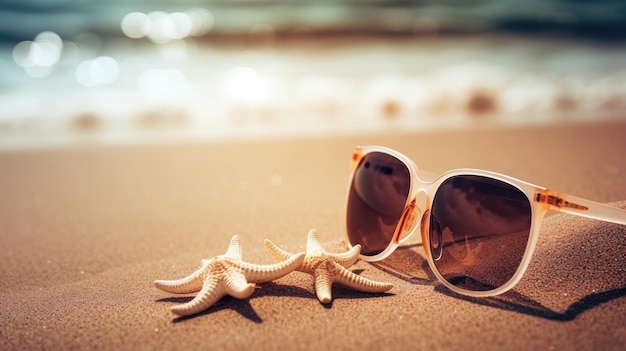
pixel 424 185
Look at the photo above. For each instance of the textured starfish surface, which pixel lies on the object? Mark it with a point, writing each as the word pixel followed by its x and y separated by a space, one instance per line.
pixel 222 275
pixel 326 268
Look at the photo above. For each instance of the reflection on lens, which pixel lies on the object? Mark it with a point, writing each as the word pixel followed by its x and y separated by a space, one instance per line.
pixel 480 227
pixel 376 200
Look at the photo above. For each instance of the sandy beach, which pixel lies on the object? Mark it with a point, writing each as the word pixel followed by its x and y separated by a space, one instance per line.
pixel 85 230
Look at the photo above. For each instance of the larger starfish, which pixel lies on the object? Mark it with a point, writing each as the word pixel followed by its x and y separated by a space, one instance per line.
pixel 225 274
pixel 326 268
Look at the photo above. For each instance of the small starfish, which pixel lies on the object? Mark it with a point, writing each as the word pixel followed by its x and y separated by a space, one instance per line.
pixel 225 274
pixel 328 267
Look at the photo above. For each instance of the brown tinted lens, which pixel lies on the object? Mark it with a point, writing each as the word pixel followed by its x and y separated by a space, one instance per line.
pixel 376 200
pixel 479 229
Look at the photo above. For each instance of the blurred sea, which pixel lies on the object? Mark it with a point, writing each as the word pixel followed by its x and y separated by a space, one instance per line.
pixel 115 71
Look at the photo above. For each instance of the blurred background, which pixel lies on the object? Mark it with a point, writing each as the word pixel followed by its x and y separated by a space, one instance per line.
pixel 119 71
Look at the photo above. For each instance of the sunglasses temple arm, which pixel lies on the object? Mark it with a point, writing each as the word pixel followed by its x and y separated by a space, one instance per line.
pixel 566 203
pixel 591 209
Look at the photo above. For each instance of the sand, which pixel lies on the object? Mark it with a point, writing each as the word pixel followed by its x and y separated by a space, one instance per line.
pixel 85 231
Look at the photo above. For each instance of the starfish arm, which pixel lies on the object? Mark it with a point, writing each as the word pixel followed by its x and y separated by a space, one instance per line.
pixel 259 273
pixel 189 284
pixel 234 248
pixel 236 285
pixel 356 282
pixel 211 292
pixel 313 242
pixel 348 258
pixel 323 284
pixel 277 253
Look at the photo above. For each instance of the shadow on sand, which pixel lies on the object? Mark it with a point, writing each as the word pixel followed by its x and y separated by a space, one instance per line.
pixel 421 274
pixel 245 309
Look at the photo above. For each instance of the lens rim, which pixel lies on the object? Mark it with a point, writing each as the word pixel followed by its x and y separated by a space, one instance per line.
pixel 537 211
pixel 359 153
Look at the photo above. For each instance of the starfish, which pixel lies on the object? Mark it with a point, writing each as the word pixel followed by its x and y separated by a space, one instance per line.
pixel 326 268
pixel 222 275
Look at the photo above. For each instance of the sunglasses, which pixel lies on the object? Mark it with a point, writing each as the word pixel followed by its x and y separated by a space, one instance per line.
pixel 478 228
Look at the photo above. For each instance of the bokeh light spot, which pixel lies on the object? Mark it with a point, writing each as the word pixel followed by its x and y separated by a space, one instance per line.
pixel 160 27
pixel 24 52
pixel 39 56
pixel 181 25
pixel 201 21
pixel 49 37
pixel 136 25
pixel 99 71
